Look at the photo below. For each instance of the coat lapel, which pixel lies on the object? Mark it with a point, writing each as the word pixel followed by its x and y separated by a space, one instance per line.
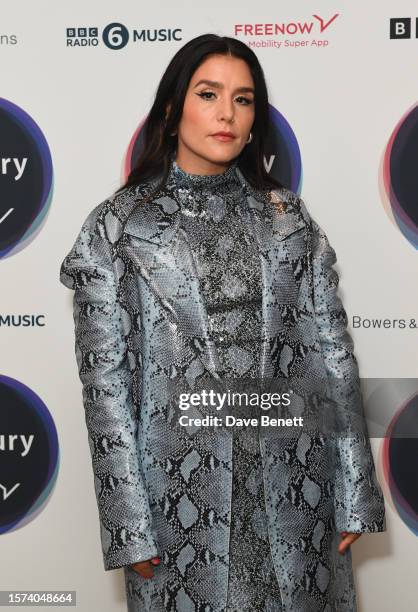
pixel 272 221
pixel 158 245
pixel 156 242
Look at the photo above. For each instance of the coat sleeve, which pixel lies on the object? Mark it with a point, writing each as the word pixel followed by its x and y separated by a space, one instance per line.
pixel 103 365
pixel 359 502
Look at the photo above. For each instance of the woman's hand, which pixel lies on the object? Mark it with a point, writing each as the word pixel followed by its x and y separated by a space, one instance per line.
pixel 144 568
pixel 347 540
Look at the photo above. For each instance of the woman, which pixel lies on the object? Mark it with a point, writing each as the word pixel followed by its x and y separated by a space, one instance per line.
pixel 200 271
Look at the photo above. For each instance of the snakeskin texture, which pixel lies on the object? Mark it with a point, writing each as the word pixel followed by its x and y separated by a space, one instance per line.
pixel 230 276
pixel 161 296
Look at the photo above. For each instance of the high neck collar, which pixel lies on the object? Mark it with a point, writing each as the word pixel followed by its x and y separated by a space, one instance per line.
pixel 228 178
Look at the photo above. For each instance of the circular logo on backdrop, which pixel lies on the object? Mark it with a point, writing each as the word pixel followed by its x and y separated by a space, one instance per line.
pixel 28 454
pixel 115 35
pixel 399 453
pixel 283 160
pixel 25 178
pixel 400 176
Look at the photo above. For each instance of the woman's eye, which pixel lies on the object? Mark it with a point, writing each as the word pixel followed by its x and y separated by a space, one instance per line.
pixel 244 101
pixel 206 93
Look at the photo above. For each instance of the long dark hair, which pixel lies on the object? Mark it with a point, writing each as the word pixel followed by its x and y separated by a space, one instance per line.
pixel 159 144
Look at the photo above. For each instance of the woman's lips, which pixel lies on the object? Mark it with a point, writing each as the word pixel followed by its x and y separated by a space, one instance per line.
pixel 223 137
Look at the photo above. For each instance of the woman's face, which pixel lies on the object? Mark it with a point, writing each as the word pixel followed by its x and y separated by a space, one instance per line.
pixel 220 98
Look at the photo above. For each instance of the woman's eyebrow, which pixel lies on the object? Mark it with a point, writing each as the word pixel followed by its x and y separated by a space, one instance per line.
pixel 220 85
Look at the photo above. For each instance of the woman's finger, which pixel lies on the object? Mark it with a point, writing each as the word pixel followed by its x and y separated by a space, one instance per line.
pixel 347 540
pixel 143 568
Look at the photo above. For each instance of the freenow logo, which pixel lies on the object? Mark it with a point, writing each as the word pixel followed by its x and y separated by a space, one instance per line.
pixel 29 455
pixel 116 36
pixel 401 27
pixel 286 28
pixel 25 178
pixel 282 161
pixel 399 175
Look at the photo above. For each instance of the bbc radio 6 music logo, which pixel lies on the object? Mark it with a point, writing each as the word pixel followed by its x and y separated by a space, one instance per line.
pixel 116 36
pixel 29 454
pixel 25 178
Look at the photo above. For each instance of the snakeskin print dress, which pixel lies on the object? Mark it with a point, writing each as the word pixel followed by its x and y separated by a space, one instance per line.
pixel 229 270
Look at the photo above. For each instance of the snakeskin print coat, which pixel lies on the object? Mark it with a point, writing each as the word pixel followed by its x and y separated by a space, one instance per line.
pixel 141 323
